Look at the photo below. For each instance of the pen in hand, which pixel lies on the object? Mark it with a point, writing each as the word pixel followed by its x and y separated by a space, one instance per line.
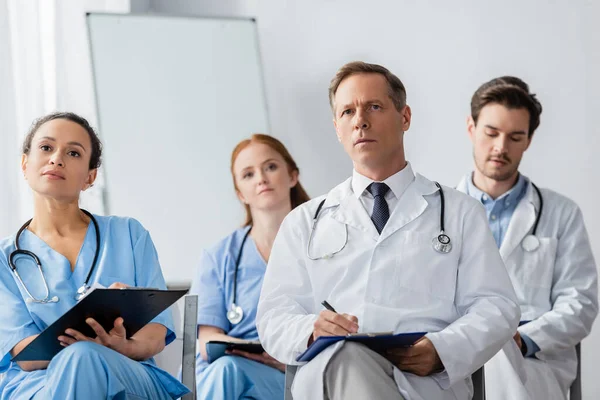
pixel 348 323
pixel 328 306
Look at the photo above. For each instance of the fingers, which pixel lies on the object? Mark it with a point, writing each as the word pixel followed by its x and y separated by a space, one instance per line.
pixel 73 337
pixel 118 285
pixel 98 329
pixel 119 328
pixel 351 318
pixel 333 324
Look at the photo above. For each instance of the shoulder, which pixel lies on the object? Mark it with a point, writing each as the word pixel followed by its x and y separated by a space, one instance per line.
pixel 115 227
pixel 556 200
pixel 456 200
pixel 227 246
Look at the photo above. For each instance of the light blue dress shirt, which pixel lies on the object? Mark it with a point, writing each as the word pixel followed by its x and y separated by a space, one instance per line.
pixel 499 212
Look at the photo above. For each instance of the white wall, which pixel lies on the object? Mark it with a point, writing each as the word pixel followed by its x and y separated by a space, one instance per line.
pixel 442 51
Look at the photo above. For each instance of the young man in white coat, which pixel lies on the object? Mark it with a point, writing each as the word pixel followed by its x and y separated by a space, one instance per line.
pixel 544 244
pixel 371 256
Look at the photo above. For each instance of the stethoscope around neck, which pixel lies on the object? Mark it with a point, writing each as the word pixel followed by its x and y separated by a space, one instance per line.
pixel 235 313
pixel 440 243
pixel 54 299
pixel 531 242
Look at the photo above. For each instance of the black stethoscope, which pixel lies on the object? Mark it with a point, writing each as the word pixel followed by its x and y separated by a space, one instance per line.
pixel 54 299
pixel 235 312
pixel 441 243
pixel 531 242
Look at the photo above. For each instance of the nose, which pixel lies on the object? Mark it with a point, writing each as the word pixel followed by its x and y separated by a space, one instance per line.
pixel 262 177
pixel 57 159
pixel 501 144
pixel 361 122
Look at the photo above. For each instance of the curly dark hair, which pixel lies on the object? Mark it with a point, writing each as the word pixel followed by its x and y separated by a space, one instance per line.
pixel 95 159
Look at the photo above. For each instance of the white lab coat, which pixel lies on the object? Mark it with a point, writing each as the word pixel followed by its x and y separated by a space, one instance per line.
pixel 393 281
pixel 556 287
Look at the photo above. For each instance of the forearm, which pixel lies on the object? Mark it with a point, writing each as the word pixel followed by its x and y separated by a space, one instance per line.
pixel 205 337
pixel 28 365
pixel 147 343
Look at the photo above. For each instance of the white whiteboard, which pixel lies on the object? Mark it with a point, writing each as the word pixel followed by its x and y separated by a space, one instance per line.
pixel 174 96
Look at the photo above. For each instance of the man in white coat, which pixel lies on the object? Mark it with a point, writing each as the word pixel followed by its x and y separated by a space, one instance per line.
pixel 371 255
pixel 544 244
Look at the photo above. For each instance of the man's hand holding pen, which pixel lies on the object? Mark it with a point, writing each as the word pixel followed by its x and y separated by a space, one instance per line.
pixel 330 323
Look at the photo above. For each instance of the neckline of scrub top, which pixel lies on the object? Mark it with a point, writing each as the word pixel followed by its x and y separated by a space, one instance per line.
pixel 43 250
pixel 265 262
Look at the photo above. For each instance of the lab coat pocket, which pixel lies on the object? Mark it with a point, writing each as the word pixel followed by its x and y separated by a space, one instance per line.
pixel 420 269
pixel 537 267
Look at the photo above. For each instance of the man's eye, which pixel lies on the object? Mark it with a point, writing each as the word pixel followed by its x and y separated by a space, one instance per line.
pixel 347 112
pixel 376 107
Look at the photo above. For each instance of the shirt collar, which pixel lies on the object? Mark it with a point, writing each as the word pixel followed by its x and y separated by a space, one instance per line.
pixel 510 197
pixel 397 182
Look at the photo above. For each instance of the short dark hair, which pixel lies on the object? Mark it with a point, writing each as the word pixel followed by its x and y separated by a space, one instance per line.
pixel 95 159
pixel 510 92
pixel 397 91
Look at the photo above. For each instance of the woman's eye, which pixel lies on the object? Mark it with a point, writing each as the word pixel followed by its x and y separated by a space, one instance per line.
pixel 45 147
pixel 73 153
pixel 272 167
pixel 247 175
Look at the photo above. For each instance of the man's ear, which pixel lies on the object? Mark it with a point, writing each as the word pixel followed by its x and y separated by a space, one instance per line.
pixel 406 118
pixel 471 127
pixel 337 132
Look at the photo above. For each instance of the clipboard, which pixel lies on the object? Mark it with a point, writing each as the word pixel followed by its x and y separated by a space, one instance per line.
pixel 217 348
pixel 374 341
pixel 137 307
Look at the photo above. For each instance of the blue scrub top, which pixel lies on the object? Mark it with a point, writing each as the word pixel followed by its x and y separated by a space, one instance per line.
pixel 213 284
pixel 127 254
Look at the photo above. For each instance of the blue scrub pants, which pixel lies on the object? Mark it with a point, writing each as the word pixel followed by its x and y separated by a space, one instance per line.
pixel 233 378
pixel 86 370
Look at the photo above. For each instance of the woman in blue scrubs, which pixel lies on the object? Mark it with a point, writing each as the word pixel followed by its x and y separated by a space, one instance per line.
pixel 265 178
pixel 61 156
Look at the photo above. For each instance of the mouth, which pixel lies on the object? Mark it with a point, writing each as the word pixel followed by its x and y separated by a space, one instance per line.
pixel 265 191
pixel 54 175
pixel 363 141
pixel 498 161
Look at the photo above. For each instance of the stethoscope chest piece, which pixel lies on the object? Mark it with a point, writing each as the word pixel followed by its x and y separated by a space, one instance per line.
pixel 235 314
pixel 531 243
pixel 441 243
pixel 53 299
pixel 82 291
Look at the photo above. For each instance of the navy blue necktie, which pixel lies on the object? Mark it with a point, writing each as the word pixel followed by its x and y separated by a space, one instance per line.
pixel 381 211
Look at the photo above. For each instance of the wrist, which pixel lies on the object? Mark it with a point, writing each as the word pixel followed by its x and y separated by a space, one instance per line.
pixel 523 347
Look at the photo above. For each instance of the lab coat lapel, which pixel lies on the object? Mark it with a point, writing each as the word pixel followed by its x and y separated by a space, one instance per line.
pixel 351 211
pixel 520 224
pixel 410 206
